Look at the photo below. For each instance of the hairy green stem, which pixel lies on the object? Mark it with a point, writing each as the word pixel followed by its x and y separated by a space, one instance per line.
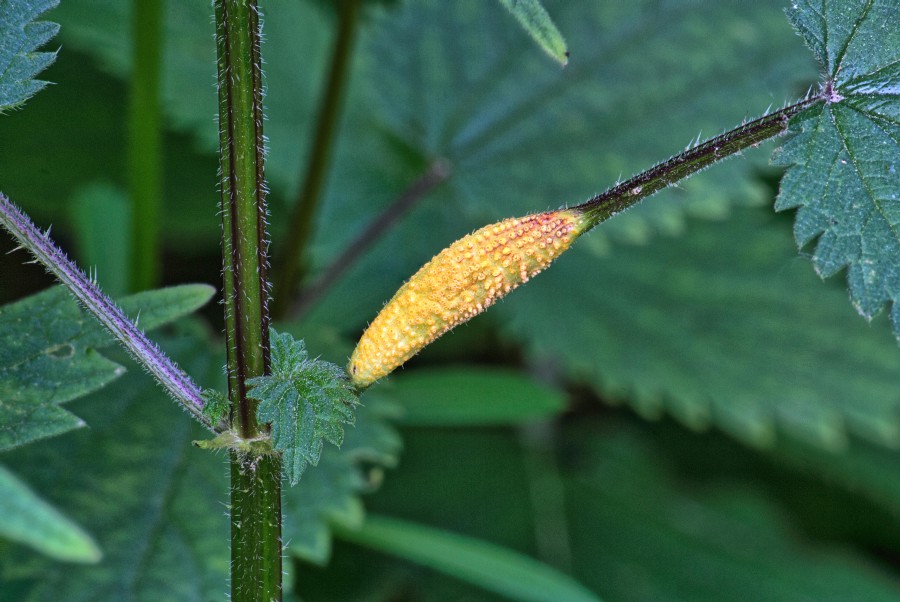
pixel 698 157
pixel 256 479
pixel 144 145
pixel 291 263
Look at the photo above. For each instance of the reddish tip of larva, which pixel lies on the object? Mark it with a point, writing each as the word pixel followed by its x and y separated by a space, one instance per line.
pixel 459 283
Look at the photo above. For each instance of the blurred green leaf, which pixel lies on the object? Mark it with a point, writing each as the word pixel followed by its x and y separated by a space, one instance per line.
pixel 533 17
pixel 490 566
pixel 72 137
pixel 843 160
pixel 152 500
pixel 305 401
pixel 863 468
pixel 48 357
pixel 20 37
pixel 645 517
pixel 722 326
pixel 522 135
pixel 330 491
pixel 30 520
pixel 100 216
pixel 470 396
pixel 640 532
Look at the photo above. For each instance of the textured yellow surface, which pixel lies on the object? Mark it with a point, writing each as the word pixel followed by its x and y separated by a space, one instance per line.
pixel 459 283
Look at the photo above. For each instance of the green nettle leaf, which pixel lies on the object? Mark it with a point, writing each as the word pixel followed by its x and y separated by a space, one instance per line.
pixel 305 400
pixel 641 529
pixel 534 18
pixel 30 520
pixel 844 161
pixel 20 37
pixel 48 355
pixel 152 501
pixel 330 492
pixel 215 405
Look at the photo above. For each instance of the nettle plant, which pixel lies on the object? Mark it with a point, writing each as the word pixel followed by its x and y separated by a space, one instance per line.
pixel 616 319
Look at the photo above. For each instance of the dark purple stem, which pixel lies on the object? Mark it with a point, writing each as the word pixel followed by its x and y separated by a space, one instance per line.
pixel 174 380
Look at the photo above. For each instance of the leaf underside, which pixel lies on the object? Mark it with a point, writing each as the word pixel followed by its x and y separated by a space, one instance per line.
pixel 844 159
pixel 20 37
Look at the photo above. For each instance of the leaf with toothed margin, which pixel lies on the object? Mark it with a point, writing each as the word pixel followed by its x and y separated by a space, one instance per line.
pixel 48 355
pixel 723 327
pixel 151 500
pixel 20 37
pixel 305 400
pixel 844 158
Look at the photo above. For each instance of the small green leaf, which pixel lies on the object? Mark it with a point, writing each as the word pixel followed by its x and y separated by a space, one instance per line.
pixel 215 405
pixel 470 396
pixel 534 18
pixel 30 520
pixel 305 401
pixel 20 37
pixel 844 159
pixel 490 566
pixel 48 357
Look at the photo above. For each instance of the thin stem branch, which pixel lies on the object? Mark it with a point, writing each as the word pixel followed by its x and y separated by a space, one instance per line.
pixel 437 172
pixel 174 380
pixel 291 263
pixel 144 145
pixel 624 195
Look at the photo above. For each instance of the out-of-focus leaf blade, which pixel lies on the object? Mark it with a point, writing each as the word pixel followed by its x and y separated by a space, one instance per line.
pixel 719 327
pixel 490 566
pixel 642 517
pixel 639 531
pixel 30 520
pixel 521 134
pixel 470 396
pixel 533 17
pixel 844 161
pixel 48 357
pixel 100 214
pixel 20 37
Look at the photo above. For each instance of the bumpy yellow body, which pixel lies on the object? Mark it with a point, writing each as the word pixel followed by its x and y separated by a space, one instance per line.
pixel 459 283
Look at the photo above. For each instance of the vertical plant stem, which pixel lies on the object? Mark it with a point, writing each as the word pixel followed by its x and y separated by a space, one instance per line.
pixel 255 480
pixel 291 263
pixel 144 145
